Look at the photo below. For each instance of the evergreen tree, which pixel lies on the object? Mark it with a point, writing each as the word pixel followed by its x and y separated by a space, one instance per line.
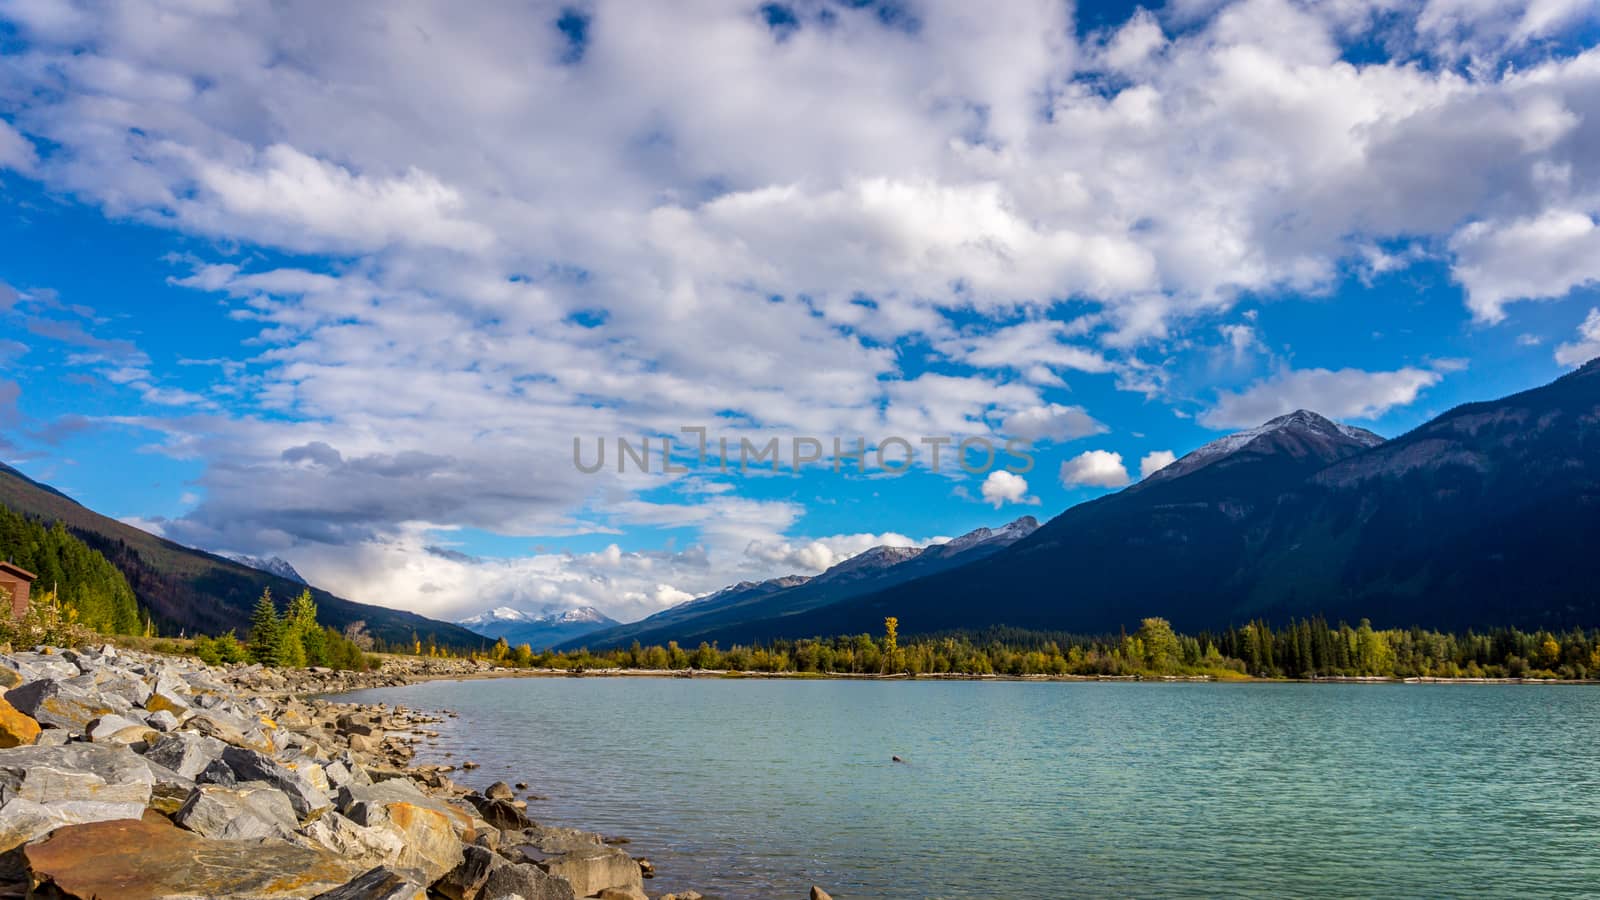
pixel 301 619
pixel 92 592
pixel 266 632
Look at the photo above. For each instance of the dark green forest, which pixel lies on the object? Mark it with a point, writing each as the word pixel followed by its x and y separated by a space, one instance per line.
pixel 1305 648
pixel 91 591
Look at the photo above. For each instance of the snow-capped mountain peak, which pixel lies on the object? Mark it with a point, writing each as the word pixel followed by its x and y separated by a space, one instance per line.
pixel 1299 433
pixel 510 615
pixel 542 629
pixel 1003 536
pixel 272 565
pixel 498 614
pixel 868 561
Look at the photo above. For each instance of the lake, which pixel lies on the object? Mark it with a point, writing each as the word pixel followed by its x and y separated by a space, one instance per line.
pixel 759 788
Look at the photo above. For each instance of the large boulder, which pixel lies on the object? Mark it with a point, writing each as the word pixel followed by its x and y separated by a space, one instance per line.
pixel 354 798
pixel 592 871
pixel 551 839
pixel 231 730
pixel 132 690
pixel 168 695
pixel 245 812
pixel 169 791
pixel 42 788
pixel 186 753
pixel 338 834
pixel 343 771
pixel 524 882
pixel 502 814
pixel 150 858
pixel 465 881
pixel 381 883
pixel 115 729
pixel 309 800
pixel 431 845
pixel 56 705
pixel 16 728
pixel 162 721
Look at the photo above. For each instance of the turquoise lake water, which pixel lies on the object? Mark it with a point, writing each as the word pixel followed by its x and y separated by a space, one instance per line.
pixel 758 789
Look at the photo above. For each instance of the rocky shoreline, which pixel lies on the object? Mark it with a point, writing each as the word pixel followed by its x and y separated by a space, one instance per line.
pixel 132 775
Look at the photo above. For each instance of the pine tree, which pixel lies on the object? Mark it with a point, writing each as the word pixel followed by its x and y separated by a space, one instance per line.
pixel 301 620
pixel 92 591
pixel 266 632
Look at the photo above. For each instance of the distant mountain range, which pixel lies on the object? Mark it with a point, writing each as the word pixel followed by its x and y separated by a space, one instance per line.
pixel 769 607
pixel 275 565
pixel 1487 515
pixel 540 630
pixel 195 591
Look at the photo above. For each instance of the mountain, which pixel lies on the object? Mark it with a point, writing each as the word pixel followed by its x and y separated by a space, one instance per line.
pixel 538 630
pixel 1300 435
pixel 273 565
pixel 748 608
pixel 199 592
pixel 1486 515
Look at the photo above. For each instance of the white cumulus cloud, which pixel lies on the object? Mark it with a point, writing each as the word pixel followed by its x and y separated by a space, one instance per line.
pixel 1537 258
pixel 1002 487
pixel 1095 468
pixel 1155 461
pixel 1337 394
pixel 1586 347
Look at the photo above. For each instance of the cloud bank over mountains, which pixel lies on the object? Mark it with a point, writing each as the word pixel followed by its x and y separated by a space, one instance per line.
pixel 462 235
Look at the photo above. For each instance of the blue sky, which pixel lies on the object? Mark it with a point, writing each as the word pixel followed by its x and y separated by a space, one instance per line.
pixel 341 288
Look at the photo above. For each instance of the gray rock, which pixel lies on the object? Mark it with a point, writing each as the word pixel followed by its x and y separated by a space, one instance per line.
pixel 55 705
pixel 430 843
pixel 34 666
pixel 43 788
pixel 380 883
pixel 339 775
pixel 501 814
pixel 162 720
pixel 333 832
pixel 170 790
pixel 185 752
pixel 248 811
pixel 217 772
pixel 229 729
pixel 130 689
pixel 525 882
pixel 115 729
pixel 309 800
pixel 594 870
pixel 465 881
pixel 499 791
pixel 392 790
pixel 169 693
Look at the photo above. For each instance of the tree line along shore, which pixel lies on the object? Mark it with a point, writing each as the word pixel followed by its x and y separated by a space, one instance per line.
pixel 1303 649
